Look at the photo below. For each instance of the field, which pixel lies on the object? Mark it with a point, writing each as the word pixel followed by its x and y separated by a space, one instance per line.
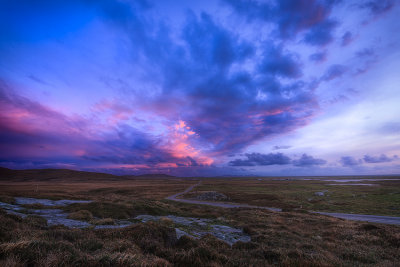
pixel 376 198
pixel 293 237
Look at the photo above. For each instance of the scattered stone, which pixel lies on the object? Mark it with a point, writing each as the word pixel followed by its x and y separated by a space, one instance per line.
pixel 192 227
pixel 53 216
pixel 321 194
pixel 198 227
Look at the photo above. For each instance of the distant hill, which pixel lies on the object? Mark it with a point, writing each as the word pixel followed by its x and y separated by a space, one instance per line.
pixel 66 175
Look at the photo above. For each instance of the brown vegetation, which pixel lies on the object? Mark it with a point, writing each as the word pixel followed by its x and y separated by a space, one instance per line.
pixel 285 239
pixel 82 215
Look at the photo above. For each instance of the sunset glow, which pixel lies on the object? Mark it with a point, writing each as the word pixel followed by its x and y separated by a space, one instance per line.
pixel 207 88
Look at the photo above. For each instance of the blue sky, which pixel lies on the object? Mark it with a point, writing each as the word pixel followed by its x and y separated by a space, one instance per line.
pixel 201 87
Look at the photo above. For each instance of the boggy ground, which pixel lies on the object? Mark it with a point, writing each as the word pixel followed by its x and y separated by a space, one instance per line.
pixel 289 238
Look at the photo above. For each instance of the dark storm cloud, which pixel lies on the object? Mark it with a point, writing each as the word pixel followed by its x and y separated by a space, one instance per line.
pixel 201 80
pixel 307 160
pixel 276 62
pixel 318 57
pixel 321 34
pixel 378 7
pixel 378 159
pixel 365 53
pixel 347 38
pixel 258 159
pixel 228 108
pixel 281 147
pixel 333 72
pixel 348 161
pixel 210 44
pixel 292 17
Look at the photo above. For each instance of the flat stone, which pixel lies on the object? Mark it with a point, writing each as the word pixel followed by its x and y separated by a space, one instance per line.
pixel 199 227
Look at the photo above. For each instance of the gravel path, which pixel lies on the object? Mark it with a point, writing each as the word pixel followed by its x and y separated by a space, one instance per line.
pixel 347 216
pixel 215 204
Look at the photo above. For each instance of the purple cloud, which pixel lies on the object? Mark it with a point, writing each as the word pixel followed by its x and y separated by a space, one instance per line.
pixel 378 7
pixel 333 72
pixel 347 38
pixel 172 87
pixel 348 161
pixel 276 62
pixel 281 147
pixel 307 161
pixel 292 17
pixel 318 57
pixel 321 34
pixel 258 159
pixel 379 159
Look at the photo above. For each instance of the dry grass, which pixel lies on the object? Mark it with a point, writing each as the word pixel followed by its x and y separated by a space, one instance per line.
pixel 82 215
pixel 382 199
pixel 100 191
pixel 284 239
pixel 105 221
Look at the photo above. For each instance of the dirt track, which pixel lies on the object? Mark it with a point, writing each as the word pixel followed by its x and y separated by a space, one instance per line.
pixel 347 216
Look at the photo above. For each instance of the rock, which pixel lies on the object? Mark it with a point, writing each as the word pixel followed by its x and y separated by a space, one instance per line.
pixel 58 216
pixel 320 194
pixel 199 227
pixel 180 233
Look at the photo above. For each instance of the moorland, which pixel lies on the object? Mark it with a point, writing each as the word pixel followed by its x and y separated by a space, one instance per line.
pixel 293 237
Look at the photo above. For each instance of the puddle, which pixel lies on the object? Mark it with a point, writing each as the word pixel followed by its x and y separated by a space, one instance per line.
pixel 349 180
pixel 194 227
pixel 198 227
pixel 47 202
pixel 356 184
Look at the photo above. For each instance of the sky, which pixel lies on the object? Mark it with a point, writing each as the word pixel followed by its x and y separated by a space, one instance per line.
pixel 201 88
